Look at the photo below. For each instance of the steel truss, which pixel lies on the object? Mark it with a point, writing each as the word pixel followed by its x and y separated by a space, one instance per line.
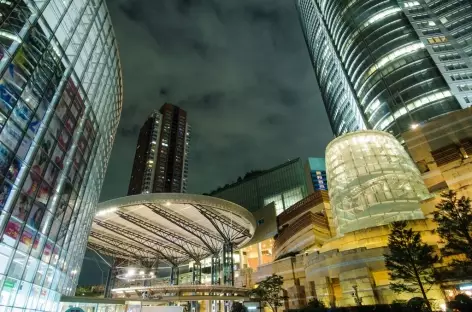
pixel 209 239
pixel 110 251
pixel 113 241
pixel 192 249
pixel 177 256
pixel 229 230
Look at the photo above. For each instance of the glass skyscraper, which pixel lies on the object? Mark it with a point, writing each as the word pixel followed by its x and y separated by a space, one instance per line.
pixel 389 65
pixel 284 185
pixel 60 103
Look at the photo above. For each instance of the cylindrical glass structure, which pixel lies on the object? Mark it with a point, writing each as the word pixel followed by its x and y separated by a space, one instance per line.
pixel 373 69
pixel 372 181
pixel 60 103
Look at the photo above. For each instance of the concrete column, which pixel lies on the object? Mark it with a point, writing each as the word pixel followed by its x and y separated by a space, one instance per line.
pixel 215 269
pixel 228 264
pixel 197 274
pixel 259 253
pixel 174 275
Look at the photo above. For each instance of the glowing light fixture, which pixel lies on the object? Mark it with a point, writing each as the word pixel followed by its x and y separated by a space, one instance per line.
pixel 106 211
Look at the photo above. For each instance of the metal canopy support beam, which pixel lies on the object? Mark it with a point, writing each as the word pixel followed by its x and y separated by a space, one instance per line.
pixel 110 252
pixel 197 273
pixel 209 239
pixel 227 228
pixel 215 269
pixel 228 265
pixel 145 241
pixel 116 242
pixel 193 249
pixel 174 275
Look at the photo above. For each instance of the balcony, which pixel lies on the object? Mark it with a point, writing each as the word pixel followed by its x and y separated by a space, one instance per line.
pixel 302 206
pixel 308 230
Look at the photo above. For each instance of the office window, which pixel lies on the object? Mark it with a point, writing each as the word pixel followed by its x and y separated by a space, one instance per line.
pixel 439 39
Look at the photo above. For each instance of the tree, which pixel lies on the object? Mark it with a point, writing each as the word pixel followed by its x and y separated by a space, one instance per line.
pixel 355 295
pixel 314 305
pixel 410 261
pixel 454 218
pixel 268 292
pixel 238 307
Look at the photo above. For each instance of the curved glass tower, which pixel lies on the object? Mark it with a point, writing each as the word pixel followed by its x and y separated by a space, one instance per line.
pixel 372 180
pixel 60 103
pixel 389 65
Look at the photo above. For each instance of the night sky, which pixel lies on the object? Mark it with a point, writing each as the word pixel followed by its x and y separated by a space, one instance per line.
pixel 239 68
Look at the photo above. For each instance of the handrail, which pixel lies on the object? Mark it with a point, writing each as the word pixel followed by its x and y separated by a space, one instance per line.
pixel 303 205
pixel 307 219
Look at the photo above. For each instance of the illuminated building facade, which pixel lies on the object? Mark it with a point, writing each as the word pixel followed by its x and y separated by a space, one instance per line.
pixel 389 65
pixel 373 181
pixel 61 99
pixel 442 150
pixel 161 159
pixel 284 185
pixel 326 246
pixel 315 169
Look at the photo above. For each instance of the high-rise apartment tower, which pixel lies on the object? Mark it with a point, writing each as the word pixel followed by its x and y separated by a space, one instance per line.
pixel 161 159
pixel 389 65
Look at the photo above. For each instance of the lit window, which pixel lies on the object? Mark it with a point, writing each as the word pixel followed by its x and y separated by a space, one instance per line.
pixel 390 57
pixel 412 106
pixel 381 15
pixel 411 4
pixel 439 39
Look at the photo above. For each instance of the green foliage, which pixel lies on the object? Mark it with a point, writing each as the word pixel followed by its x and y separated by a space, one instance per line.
pixel 461 303
pixel 314 305
pixel 88 291
pixel 410 261
pixel 238 307
pixel 268 292
pixel 418 304
pixel 454 218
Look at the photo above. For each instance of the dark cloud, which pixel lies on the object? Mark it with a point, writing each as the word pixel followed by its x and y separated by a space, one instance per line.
pixel 274 119
pixel 240 69
pixel 131 131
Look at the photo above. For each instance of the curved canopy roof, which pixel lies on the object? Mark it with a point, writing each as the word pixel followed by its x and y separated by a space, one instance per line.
pixel 174 228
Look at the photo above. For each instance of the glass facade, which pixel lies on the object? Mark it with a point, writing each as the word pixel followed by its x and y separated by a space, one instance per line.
pixel 60 103
pixel 445 27
pixel 284 185
pixel 372 181
pixel 317 173
pixel 374 69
